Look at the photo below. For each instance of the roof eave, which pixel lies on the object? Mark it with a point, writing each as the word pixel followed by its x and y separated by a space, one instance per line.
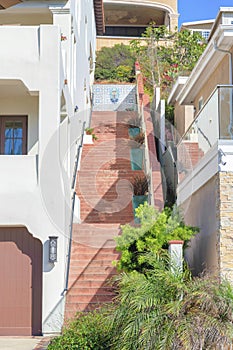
pixel 99 16
pixel 4 4
pixel 181 80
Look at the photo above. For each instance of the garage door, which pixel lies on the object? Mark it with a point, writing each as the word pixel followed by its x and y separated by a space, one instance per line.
pixel 20 282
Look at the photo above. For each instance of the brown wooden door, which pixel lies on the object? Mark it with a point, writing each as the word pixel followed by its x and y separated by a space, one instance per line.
pixel 20 282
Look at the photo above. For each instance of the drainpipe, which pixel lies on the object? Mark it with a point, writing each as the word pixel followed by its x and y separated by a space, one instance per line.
pixel 230 126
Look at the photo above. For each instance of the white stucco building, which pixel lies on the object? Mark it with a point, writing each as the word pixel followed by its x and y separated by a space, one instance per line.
pixel 46 74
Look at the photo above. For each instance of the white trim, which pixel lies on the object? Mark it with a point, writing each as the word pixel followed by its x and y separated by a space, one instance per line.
pixel 157 5
pixel 221 11
pixel 58 11
pixel 194 23
pixel 181 80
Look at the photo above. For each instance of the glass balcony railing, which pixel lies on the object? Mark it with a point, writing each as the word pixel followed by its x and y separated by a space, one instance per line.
pixel 213 122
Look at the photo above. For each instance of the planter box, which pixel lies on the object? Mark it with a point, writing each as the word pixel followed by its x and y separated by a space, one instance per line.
pixel 136 158
pixel 87 140
pixel 133 131
pixel 137 200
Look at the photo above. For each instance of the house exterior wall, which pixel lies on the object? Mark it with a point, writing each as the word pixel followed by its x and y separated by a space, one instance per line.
pixel 183 117
pixel 210 209
pixel 106 41
pixel 202 253
pixel 35 189
pixel 219 77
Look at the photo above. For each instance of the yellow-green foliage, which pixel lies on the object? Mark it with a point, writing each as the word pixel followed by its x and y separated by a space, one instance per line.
pixel 153 235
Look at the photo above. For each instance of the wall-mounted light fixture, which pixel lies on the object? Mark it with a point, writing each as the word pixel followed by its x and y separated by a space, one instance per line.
pixel 53 248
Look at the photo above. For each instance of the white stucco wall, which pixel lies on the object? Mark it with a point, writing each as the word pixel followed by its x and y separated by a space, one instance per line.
pixel 200 210
pixel 198 196
pixel 35 189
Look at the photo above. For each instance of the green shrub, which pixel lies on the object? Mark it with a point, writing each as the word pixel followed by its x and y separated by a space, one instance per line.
pixel 88 331
pixel 124 73
pixel 115 64
pixel 153 236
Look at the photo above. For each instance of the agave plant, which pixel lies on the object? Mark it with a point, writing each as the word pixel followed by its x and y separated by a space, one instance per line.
pixel 134 122
pixel 140 185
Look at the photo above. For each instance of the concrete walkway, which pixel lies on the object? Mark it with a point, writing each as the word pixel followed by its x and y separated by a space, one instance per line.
pixel 24 343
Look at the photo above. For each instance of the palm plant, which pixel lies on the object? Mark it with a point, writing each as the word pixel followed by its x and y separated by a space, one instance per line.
pixel 165 311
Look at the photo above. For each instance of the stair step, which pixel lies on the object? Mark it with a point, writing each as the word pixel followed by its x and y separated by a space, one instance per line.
pixel 74 278
pixel 97 298
pixel 89 269
pixel 90 306
pixel 103 256
pixel 96 263
pixel 105 168
pixel 91 284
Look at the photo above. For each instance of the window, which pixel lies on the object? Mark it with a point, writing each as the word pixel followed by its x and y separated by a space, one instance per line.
pixel 13 135
pixel 205 34
pixel 124 31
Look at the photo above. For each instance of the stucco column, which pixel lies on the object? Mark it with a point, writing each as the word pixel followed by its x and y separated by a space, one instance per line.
pixel 173 21
pixel 176 255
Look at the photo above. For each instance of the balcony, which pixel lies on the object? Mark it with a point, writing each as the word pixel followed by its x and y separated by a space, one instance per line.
pixel 18 174
pixel 214 122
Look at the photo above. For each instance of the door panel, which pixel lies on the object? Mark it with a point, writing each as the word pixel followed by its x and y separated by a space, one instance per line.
pixel 21 282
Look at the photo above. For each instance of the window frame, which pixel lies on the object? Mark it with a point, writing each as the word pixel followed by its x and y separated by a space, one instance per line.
pixel 10 118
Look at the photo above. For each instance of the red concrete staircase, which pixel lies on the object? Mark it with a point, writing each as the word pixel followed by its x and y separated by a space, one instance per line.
pixel 105 193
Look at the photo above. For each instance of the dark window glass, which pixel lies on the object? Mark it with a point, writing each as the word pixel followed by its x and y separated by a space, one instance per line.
pixel 124 31
pixel 13 135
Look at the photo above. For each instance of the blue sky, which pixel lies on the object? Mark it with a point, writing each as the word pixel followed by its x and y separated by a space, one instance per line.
pixel 197 10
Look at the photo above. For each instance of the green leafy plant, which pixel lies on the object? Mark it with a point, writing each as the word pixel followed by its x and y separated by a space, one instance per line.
pixel 90 131
pixel 152 236
pixel 166 55
pixel 140 185
pixel 115 64
pixel 88 331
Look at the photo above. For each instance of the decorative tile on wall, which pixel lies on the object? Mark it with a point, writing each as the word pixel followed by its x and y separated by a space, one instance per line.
pixel 110 97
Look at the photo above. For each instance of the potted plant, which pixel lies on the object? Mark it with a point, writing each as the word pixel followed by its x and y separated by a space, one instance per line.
pixel 140 192
pixel 89 136
pixel 134 126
